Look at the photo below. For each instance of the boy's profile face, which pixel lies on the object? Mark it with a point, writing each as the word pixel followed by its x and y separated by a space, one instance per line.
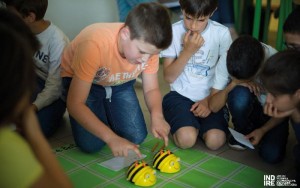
pixel 195 24
pixel 136 51
pixel 292 41
pixel 283 102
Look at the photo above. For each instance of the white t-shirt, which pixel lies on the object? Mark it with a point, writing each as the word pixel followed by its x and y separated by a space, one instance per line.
pixel 223 76
pixel 47 63
pixel 196 80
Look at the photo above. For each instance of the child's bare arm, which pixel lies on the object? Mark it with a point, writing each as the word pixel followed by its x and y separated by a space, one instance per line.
pixel 174 67
pixel 53 175
pixel 256 135
pixel 218 98
pixel 159 127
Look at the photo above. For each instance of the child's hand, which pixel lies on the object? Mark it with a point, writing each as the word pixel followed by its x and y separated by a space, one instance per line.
pixel 272 111
pixel 192 42
pixel 201 109
pixel 253 87
pixel 160 129
pixel 255 136
pixel 27 123
pixel 120 147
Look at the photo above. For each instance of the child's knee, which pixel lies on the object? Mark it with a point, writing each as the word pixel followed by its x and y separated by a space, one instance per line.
pixel 185 137
pixel 138 139
pixel 214 139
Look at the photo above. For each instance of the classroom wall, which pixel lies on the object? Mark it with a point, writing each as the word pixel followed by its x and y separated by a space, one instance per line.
pixel 72 16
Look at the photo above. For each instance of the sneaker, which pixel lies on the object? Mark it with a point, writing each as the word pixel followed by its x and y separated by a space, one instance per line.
pixel 235 144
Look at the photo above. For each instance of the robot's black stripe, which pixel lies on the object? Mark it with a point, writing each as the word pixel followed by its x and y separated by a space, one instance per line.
pixel 161 159
pixel 130 169
pixel 140 168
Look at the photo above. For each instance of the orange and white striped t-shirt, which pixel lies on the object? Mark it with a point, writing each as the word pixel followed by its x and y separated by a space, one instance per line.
pixel 93 57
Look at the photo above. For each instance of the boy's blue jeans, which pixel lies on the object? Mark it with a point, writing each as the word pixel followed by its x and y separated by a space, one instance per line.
pixel 247 115
pixel 296 150
pixel 50 117
pixel 117 107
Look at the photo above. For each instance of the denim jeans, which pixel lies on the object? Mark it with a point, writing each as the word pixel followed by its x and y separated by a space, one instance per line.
pixel 117 107
pixel 296 150
pixel 50 117
pixel 247 115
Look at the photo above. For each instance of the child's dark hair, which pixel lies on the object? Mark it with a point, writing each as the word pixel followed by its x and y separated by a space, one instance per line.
pixel 245 57
pixel 24 7
pixel 198 8
pixel 151 23
pixel 17 24
pixel 16 70
pixel 17 46
pixel 280 74
pixel 292 22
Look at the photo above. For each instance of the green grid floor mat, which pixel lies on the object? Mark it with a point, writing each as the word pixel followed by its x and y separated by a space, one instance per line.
pixel 198 169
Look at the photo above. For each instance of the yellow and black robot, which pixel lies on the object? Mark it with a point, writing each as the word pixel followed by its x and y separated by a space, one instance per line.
pixel 141 174
pixel 166 161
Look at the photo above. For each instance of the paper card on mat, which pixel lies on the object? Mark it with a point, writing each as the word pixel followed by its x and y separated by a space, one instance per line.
pixel 241 138
pixel 118 163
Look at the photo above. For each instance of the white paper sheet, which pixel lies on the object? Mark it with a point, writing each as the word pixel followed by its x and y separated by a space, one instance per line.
pixel 118 163
pixel 241 138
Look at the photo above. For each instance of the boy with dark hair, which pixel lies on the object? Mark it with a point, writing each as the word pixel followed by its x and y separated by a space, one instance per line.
pixel 199 46
pixel 291 30
pixel 99 68
pixel 245 98
pixel 46 99
pixel 280 76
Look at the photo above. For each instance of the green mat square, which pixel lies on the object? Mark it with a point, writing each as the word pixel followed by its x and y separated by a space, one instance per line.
pixel 250 177
pixel 80 157
pixel 66 164
pixel 82 178
pixel 219 166
pixel 196 178
pixel 229 185
pixel 191 156
pixel 171 185
pixel 111 186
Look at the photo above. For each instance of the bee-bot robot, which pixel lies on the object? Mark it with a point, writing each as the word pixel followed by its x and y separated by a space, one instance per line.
pixel 166 161
pixel 141 174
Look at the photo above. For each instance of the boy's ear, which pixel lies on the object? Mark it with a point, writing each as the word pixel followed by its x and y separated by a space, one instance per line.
pixel 30 18
pixel 125 33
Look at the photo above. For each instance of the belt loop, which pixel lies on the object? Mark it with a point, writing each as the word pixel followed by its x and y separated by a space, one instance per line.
pixel 108 91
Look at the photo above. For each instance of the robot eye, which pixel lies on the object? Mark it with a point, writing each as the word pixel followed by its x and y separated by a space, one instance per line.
pixel 147 176
pixel 172 163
